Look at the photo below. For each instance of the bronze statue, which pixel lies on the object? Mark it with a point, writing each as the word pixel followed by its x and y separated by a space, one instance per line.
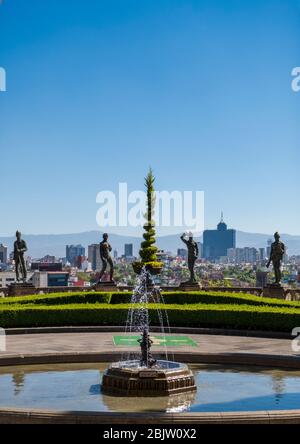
pixel 20 248
pixel 276 256
pixel 105 250
pixel 145 343
pixel 193 253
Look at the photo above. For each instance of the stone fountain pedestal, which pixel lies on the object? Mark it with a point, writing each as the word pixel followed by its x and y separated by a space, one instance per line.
pixel 165 379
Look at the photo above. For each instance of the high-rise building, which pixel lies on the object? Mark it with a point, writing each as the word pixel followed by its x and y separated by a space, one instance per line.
pixel 73 252
pixel 242 255
pixel 270 241
pixel 3 254
pixel 94 257
pixel 182 252
pixel 128 250
pixel 262 254
pixel 200 249
pixel 217 242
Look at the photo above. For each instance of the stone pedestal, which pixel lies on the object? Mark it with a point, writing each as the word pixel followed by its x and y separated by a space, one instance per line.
pixel 106 286
pixel 21 289
pixel 129 379
pixel 274 291
pixel 189 286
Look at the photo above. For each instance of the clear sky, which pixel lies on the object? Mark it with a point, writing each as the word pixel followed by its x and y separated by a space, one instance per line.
pixel 98 90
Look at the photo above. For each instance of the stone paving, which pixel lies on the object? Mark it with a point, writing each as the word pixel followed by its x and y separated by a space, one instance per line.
pixel 59 343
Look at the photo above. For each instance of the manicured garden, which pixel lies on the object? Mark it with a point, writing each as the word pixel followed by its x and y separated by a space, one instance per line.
pixel 184 309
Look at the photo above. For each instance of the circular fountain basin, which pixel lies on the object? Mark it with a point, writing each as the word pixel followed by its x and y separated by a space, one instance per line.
pixel 164 379
pixel 73 392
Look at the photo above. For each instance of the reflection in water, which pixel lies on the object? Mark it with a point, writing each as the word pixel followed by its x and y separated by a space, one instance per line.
pixel 76 387
pixel 18 380
pixel 169 404
pixel 278 387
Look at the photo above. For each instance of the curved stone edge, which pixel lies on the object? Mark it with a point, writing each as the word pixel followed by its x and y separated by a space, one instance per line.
pixel 24 416
pixel 180 330
pixel 250 359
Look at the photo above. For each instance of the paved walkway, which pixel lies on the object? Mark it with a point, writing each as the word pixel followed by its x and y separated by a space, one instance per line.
pixel 58 343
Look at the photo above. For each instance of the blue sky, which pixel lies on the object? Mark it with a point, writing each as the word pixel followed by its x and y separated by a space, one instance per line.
pixel 98 90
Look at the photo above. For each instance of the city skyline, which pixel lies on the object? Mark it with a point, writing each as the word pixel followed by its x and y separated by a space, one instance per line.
pixel 91 89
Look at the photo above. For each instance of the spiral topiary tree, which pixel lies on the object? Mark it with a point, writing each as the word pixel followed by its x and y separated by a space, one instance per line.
pixel 148 251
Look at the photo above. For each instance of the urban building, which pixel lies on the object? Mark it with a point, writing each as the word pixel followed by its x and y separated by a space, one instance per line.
pixel 247 255
pixel 3 254
pixel 270 241
pixel 94 257
pixel 128 251
pixel 262 254
pixel 9 277
pixel 46 266
pixel 73 252
pixel 217 242
pixel 200 249
pixel 44 279
pixel 182 252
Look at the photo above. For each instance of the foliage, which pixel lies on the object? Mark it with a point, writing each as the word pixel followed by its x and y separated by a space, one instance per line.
pixel 193 315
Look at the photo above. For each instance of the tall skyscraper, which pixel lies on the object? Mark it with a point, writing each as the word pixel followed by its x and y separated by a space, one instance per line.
pixel 200 249
pixel 217 242
pixel 94 257
pixel 262 254
pixel 3 254
pixel 128 250
pixel 182 252
pixel 73 252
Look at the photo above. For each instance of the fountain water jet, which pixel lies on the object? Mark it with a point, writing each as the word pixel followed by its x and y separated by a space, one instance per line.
pixel 143 375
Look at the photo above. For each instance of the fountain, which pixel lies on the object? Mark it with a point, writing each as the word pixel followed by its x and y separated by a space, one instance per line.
pixel 143 375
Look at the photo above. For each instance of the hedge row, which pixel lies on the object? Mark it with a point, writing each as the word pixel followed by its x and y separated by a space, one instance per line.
pixel 59 299
pixel 175 297
pixel 202 297
pixel 198 315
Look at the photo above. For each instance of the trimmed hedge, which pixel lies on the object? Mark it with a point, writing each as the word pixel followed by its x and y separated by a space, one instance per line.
pixel 203 297
pixel 193 315
pixel 59 299
pixel 176 297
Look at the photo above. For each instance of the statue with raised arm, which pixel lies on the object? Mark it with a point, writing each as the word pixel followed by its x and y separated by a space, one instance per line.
pixel 20 248
pixel 105 250
pixel 276 256
pixel 193 253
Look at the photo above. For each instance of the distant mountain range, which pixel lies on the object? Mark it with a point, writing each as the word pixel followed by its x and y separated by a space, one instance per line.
pixel 55 244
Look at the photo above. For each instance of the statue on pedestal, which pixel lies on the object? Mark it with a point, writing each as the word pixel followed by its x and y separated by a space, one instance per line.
pixel 20 247
pixel 277 252
pixel 105 250
pixel 193 253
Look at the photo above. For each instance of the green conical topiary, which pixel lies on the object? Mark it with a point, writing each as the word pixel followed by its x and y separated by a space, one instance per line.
pixel 148 251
